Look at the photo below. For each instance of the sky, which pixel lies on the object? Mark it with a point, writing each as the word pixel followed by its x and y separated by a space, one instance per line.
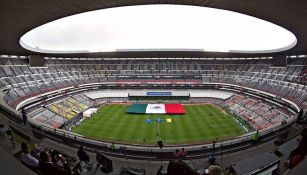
pixel 159 27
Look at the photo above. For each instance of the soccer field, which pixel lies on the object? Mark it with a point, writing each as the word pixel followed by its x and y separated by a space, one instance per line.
pixel 201 123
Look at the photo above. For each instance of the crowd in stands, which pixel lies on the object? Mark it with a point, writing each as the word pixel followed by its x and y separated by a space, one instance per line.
pixel 47 161
pixel 297 155
pixel 182 168
pixel 44 161
pixel 180 153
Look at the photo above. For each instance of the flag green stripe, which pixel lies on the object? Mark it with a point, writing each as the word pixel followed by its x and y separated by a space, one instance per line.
pixel 137 108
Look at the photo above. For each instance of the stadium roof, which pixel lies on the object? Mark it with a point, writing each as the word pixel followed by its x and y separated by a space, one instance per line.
pixel 18 17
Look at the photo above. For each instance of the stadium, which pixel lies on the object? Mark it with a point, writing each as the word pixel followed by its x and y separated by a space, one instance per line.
pixel 133 97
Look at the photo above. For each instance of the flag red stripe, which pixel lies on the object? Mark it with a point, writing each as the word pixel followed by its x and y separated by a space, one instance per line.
pixel 174 109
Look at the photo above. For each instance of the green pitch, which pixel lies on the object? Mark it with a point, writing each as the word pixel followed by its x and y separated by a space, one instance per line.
pixel 201 123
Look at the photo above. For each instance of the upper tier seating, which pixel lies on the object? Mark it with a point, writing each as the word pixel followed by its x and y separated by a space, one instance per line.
pixel 18 81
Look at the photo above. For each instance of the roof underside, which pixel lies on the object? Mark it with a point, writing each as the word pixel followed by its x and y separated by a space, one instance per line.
pixel 18 17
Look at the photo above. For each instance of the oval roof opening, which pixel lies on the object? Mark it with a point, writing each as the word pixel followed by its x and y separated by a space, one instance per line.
pixel 159 28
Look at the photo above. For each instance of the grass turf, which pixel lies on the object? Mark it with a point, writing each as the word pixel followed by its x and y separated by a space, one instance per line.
pixel 201 123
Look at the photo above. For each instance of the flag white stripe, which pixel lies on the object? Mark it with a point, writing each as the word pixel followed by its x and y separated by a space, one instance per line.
pixel 155 109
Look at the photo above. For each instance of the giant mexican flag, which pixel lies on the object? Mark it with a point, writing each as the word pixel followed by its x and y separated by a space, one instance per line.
pixel 156 109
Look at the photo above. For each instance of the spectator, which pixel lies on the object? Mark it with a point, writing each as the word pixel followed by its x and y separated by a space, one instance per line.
pixel 61 161
pixel 35 152
pixel 47 167
pixel 82 155
pixel 42 148
pixel 211 159
pixel 284 122
pixel 214 170
pixel 26 157
pixel 160 144
pixel 24 116
pixel 179 168
pixel 256 137
pixel 298 154
pixel 177 153
pixel 113 146
pixel 183 152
